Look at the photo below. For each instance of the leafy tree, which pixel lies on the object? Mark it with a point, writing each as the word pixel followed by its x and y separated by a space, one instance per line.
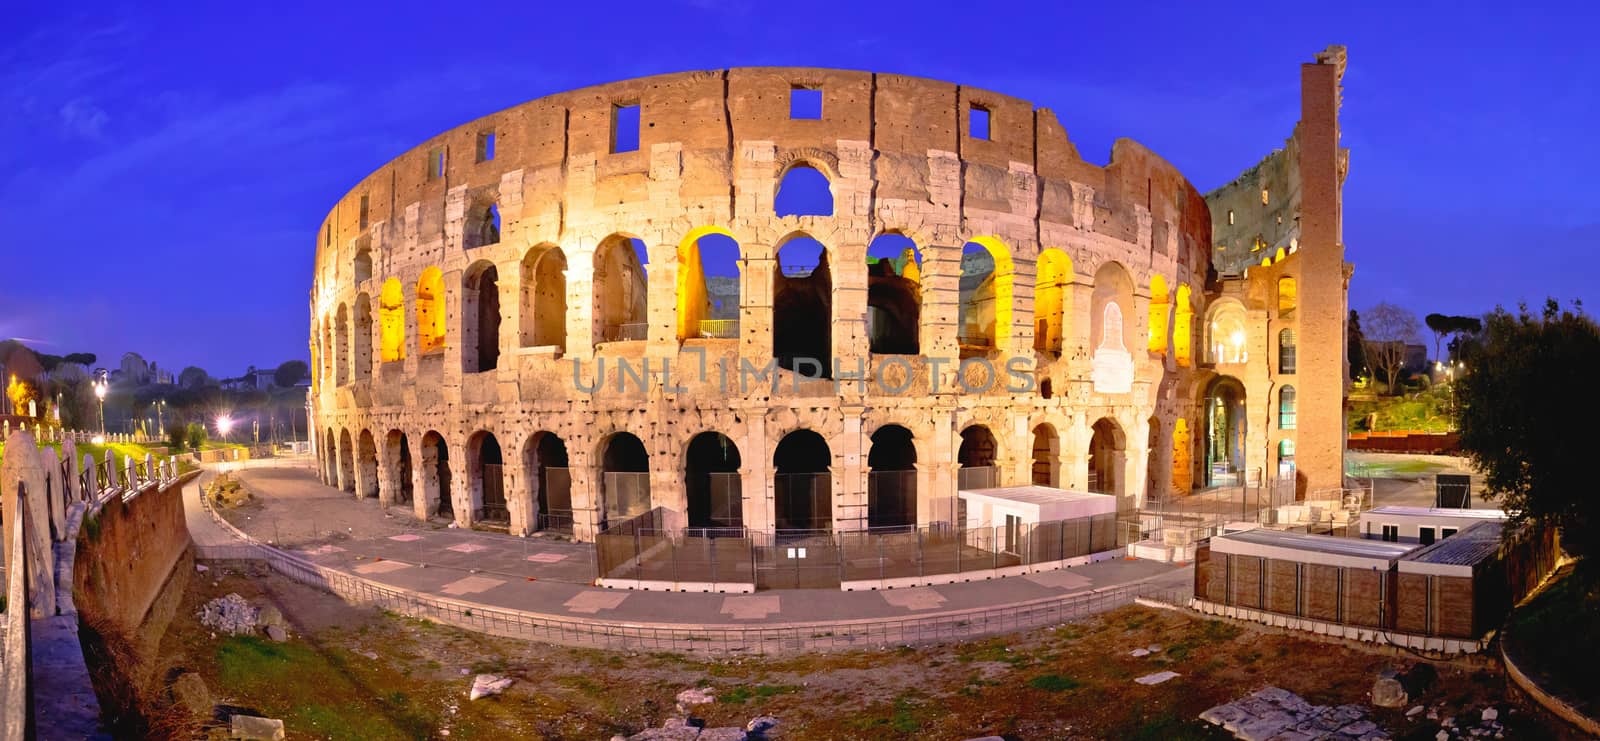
pixel 1441 325
pixel 177 436
pixel 290 373
pixel 197 435
pixel 1526 406
pixel 1389 328
pixel 85 359
pixel 1355 351
pixel 193 377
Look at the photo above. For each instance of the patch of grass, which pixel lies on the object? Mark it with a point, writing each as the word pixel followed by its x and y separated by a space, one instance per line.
pixel 315 694
pixel 744 693
pixel 992 650
pixel 1054 683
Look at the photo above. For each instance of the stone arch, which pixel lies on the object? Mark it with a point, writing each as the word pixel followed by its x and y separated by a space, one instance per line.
pixel 711 481
pixel 1182 456
pixel 361 356
pixel 398 456
pixel 986 294
pixel 1046 469
pixel 366 465
pixel 430 311
pixel 894 295
pixel 392 321
pixel 705 307
pixel 544 297
pixel 1052 300
pixel 1225 430
pixel 1227 340
pixel 979 457
pixel 892 478
pixel 347 461
pixel 480 317
pixel 802 482
pixel 361 267
pixel 1160 314
pixel 1113 284
pixel 330 458
pixel 546 468
pixel 1183 326
pixel 1108 448
pixel 621 289
pixel 341 345
pixel 486 483
pixel 435 464
pixel 804 189
pixel 624 468
pixel 802 305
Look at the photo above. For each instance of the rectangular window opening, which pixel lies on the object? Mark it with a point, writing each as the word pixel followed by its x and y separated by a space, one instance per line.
pixel 624 128
pixel 364 212
pixel 435 163
pixel 978 122
pixel 1425 535
pixel 805 102
pixel 1447 532
pixel 1391 533
pixel 485 146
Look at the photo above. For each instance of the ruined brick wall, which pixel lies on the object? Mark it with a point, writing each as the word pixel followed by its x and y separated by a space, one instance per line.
pixel 899 156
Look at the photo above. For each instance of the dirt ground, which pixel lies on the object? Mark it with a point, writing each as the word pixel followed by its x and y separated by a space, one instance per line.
pixel 351 672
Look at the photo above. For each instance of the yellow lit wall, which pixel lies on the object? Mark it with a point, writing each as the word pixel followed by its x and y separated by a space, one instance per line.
pixel 1183 328
pixel 694 303
pixel 1182 465
pixel 1160 307
pixel 392 321
pixel 1051 300
pixel 1288 296
pixel 430 311
pixel 1003 281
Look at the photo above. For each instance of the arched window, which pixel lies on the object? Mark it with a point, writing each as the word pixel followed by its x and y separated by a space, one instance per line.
pixel 392 321
pixel 1113 330
pixel 894 295
pixel 621 290
pixel 480 318
pixel 1286 408
pixel 1225 336
pixel 430 311
pixel 1160 310
pixel 1288 295
pixel 1052 300
pixel 985 292
pixel 341 346
pixel 544 297
pixel 1183 327
pixel 362 354
pixel 1286 351
pixel 363 264
pixel 803 191
pixel 708 285
pixel 802 308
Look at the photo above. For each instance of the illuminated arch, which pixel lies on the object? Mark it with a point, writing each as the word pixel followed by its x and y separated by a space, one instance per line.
pixel 1226 339
pixel 362 354
pixel 986 297
pixel 392 321
pixel 1183 327
pixel 1160 314
pixel 1052 300
pixel 704 311
pixel 1182 456
pixel 894 295
pixel 1113 284
pixel 1288 297
pixel 544 297
pixel 430 311
pixel 621 289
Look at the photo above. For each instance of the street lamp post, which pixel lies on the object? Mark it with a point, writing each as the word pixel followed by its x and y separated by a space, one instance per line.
pixel 100 399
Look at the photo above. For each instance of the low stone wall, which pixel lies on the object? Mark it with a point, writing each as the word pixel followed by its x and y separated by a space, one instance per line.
pixel 127 551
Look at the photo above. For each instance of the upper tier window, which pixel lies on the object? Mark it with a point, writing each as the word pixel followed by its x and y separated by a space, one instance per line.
pixel 625 127
pixel 978 122
pixel 805 102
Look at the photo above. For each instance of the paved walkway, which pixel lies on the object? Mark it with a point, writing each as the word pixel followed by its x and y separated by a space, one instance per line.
pixel 327 526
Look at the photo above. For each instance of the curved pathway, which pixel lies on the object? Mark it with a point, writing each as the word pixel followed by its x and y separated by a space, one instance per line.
pixel 326 527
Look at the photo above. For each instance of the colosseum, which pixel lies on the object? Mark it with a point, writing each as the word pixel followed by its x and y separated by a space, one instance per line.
pixel 812 300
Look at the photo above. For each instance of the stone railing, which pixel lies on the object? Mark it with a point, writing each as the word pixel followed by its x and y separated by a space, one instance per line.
pixel 45 498
pixel 47 434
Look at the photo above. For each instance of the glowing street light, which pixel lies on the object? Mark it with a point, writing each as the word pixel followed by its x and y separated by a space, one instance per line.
pixel 224 425
pixel 100 398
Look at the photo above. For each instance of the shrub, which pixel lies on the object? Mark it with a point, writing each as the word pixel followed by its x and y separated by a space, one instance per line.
pixel 197 435
pixel 177 435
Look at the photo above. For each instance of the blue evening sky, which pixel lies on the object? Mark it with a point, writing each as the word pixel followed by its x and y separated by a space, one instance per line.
pixel 164 166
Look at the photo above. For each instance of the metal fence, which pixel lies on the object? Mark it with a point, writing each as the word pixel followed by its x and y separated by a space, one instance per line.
pixel 651 547
pixel 977 477
pixel 626 494
pixel 626 331
pixel 724 329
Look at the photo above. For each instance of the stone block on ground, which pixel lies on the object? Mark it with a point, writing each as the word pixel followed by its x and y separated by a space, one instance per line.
pixel 486 685
pixel 255 728
pixel 277 633
pixel 190 693
pixel 1388 692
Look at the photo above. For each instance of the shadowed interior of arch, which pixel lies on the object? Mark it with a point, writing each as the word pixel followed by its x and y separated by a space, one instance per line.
pixel 802 308
pixel 894 295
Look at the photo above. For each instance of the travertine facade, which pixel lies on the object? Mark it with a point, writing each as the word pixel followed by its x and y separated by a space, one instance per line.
pixel 475 291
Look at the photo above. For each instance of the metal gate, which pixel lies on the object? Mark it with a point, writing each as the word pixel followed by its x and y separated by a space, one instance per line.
pixel 798 561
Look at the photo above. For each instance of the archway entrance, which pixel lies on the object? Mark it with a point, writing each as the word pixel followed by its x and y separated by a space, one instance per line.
pixel 544 463
pixel 977 456
pixel 436 474
pixel 894 295
pixel 347 462
pixel 802 484
pixel 487 469
pixel 711 482
pixel 802 308
pixel 1107 453
pixel 624 479
pixel 1225 431
pixel 481 328
pixel 892 479
pixel 367 465
pixel 400 452
pixel 1046 451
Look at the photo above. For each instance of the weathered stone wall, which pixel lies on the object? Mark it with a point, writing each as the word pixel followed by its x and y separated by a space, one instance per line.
pixel 126 553
pixel 899 157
